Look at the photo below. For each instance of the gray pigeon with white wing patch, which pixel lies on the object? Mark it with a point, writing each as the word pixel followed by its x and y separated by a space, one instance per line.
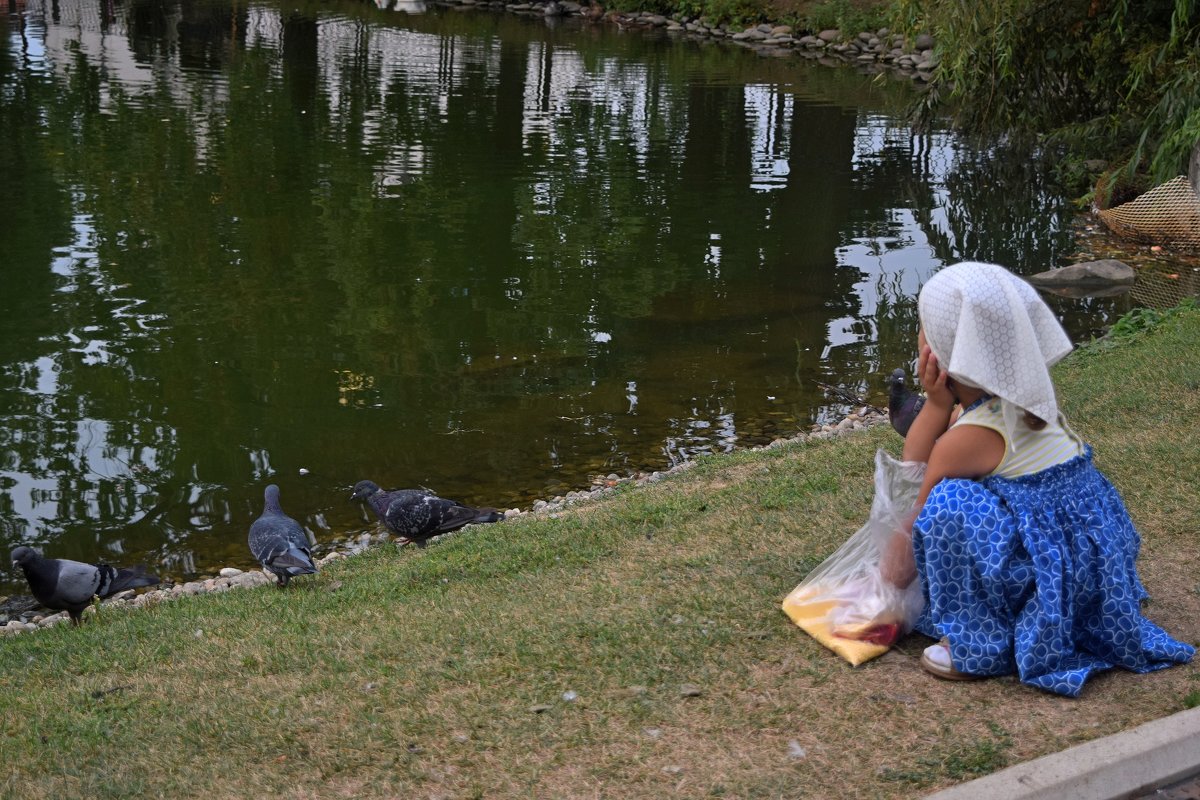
pixel 71 586
pixel 419 515
pixel 278 541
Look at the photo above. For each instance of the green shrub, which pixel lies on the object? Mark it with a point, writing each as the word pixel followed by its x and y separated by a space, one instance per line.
pixel 716 12
pixel 1117 80
pixel 736 12
pixel 848 17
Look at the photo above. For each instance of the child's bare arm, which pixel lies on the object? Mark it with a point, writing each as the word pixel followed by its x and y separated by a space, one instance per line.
pixel 968 451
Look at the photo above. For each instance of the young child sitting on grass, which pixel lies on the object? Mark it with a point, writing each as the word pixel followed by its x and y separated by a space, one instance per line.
pixel 1024 550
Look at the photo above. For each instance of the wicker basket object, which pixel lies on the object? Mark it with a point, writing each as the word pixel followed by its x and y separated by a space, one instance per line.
pixel 1167 214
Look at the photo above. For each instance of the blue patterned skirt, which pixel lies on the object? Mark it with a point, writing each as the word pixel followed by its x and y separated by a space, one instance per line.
pixel 1036 575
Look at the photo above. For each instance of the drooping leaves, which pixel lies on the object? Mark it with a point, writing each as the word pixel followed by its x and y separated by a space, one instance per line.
pixel 1106 77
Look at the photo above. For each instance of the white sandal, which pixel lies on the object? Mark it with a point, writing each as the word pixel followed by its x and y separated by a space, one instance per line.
pixel 937 662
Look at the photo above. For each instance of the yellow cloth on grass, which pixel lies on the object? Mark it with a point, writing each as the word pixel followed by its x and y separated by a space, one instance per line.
pixel 812 609
pixel 845 604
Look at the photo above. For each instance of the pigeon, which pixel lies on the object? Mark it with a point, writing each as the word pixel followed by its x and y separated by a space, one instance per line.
pixel 903 405
pixel 72 585
pixel 417 514
pixel 278 541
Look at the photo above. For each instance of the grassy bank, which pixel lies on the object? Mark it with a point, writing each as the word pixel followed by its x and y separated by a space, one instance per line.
pixel 442 673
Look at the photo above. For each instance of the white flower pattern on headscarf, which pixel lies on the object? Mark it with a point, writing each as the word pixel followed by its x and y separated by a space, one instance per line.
pixel 991 330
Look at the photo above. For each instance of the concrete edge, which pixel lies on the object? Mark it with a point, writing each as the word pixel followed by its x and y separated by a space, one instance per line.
pixel 1156 754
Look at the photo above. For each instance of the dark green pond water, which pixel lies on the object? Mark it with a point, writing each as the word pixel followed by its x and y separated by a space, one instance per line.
pixel 488 254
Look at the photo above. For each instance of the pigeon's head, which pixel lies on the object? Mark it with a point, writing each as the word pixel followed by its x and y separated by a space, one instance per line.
pixel 363 490
pixel 897 379
pixel 23 555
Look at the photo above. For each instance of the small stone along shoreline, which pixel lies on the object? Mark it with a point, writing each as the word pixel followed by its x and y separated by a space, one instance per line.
pixel 30 617
pixel 873 50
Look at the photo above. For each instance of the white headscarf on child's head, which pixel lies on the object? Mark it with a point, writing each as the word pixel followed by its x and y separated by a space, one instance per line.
pixel 991 330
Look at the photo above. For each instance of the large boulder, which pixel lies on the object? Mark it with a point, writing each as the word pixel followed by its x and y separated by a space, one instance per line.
pixel 1102 278
pixel 1106 272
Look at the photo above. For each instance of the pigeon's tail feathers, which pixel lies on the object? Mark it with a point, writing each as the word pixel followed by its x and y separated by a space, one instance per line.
pixel 295 562
pixel 488 515
pixel 455 516
pixel 466 515
pixel 126 578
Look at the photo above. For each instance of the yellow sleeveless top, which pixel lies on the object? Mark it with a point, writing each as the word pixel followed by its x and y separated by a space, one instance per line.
pixel 1031 451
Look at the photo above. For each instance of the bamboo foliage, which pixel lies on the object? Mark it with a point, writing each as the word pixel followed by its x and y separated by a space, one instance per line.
pixel 1103 76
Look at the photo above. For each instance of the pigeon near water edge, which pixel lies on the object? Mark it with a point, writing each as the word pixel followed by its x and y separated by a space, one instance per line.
pixel 418 515
pixel 71 586
pixel 279 542
pixel 903 405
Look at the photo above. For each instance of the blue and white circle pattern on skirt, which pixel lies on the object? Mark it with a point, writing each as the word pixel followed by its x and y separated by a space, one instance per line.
pixel 1036 575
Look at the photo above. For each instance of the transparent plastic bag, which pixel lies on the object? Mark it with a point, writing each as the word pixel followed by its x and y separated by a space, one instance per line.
pixel 845 603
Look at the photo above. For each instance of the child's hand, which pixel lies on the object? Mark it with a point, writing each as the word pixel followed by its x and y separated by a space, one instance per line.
pixel 897 565
pixel 933 379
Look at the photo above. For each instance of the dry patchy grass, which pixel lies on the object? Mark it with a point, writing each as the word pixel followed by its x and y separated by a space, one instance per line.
pixel 442 673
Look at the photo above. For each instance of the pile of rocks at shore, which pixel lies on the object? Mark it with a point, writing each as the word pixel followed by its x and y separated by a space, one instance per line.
pixel 26 616
pixel 875 50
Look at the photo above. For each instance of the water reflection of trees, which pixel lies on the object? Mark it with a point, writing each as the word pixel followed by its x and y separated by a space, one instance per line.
pixel 997 204
pixel 425 253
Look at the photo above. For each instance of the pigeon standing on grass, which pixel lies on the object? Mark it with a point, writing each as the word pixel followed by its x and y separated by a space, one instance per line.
pixel 71 586
pixel 278 541
pixel 903 405
pixel 418 515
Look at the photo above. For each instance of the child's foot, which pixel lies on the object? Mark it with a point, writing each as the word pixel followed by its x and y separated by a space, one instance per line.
pixel 936 661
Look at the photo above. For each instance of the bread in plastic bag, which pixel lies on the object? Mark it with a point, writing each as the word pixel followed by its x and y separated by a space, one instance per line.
pixel 844 603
